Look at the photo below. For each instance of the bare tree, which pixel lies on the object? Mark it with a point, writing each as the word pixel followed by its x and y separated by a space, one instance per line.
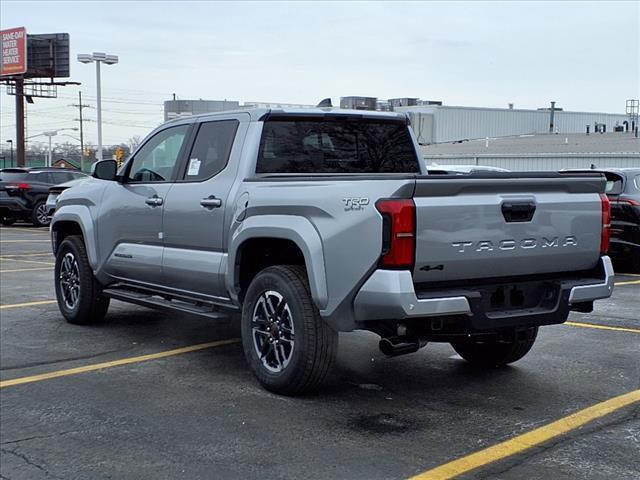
pixel 133 142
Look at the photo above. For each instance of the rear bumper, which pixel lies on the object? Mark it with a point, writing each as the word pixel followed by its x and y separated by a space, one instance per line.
pixel 594 291
pixel 14 205
pixel 51 204
pixel 390 295
pixel 619 248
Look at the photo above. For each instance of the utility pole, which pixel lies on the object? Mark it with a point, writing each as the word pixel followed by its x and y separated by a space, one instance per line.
pixel 20 121
pixel 80 106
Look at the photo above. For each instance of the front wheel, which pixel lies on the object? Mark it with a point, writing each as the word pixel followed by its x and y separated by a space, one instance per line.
pixel 506 348
pixel 287 345
pixel 77 291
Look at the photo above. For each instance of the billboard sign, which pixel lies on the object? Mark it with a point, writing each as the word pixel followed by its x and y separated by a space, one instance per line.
pixel 48 55
pixel 14 51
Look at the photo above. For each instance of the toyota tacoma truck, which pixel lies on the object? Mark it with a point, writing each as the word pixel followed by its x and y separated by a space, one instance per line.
pixel 312 222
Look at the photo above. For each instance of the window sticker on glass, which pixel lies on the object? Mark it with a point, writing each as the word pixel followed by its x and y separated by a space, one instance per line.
pixel 194 167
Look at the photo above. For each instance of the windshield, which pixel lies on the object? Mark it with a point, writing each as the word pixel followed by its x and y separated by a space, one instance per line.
pixel 336 146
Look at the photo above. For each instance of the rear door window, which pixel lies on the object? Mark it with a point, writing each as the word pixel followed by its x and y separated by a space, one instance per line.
pixel 42 177
pixel 342 145
pixel 211 150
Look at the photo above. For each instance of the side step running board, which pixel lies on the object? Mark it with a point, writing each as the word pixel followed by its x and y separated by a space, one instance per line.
pixel 151 300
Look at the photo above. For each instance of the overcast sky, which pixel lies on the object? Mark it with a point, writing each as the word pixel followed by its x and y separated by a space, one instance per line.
pixel 584 55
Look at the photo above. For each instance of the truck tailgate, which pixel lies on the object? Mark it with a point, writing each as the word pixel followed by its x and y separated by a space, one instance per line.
pixel 506 225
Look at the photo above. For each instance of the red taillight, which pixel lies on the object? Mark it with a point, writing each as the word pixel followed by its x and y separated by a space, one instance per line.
pixel 18 186
pixel 606 223
pixel 398 232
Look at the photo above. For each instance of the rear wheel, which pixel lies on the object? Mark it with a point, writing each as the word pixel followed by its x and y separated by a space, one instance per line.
pixel 39 215
pixel 77 291
pixel 509 347
pixel 287 345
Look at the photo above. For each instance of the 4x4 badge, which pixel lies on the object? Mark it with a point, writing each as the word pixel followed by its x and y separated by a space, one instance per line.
pixel 428 268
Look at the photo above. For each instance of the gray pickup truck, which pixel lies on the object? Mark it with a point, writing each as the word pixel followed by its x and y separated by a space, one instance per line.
pixel 314 222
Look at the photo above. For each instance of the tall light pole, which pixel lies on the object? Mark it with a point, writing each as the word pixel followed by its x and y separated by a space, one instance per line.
pixel 98 58
pixel 49 134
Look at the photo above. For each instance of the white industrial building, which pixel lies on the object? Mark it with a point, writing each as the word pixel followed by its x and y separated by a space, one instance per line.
pixel 540 152
pixel 443 123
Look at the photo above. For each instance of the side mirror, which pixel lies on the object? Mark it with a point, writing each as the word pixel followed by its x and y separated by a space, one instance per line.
pixel 105 170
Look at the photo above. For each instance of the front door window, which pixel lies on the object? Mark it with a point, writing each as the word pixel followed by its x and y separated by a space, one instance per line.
pixel 157 159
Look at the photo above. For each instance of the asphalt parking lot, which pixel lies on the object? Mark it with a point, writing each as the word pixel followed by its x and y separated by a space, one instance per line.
pixel 152 395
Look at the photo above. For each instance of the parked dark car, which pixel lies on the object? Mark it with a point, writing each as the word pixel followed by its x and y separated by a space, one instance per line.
pixel 24 191
pixel 623 190
pixel 56 190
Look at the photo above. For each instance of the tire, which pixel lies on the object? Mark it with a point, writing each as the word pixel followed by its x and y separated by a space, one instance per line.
pixel 7 220
pixel 39 216
pixel 306 345
pixel 508 348
pixel 73 274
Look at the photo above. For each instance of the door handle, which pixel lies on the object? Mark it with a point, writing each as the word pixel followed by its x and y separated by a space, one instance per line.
pixel 154 201
pixel 211 202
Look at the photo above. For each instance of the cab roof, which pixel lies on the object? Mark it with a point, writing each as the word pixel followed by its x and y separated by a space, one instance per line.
pixel 260 114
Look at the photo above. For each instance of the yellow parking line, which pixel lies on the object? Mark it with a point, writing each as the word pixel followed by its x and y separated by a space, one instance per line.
pixel 27 304
pixel 28 254
pixel 530 439
pixel 18 229
pixel 602 327
pixel 115 363
pixel 26 269
pixel 628 282
pixel 25 261
pixel 25 241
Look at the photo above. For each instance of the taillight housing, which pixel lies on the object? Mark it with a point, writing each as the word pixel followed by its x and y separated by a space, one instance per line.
pixel 628 201
pixel 398 233
pixel 18 186
pixel 606 223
